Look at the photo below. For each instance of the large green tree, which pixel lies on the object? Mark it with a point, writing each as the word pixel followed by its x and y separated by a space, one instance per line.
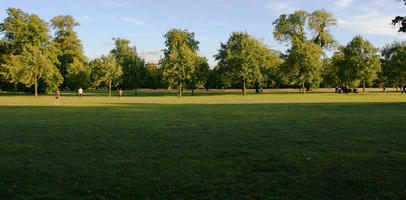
pixel 361 62
pixel 303 65
pixel 20 29
pixel 107 71
pixel 394 63
pixel 69 51
pixel 242 58
pixel 179 63
pixel 301 24
pixel 134 71
pixel 29 67
pixel 24 32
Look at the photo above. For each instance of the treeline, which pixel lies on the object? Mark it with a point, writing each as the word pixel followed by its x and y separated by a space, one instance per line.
pixel 31 59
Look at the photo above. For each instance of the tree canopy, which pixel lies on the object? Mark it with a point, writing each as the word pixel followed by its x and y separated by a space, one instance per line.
pixel 29 67
pixel 361 62
pixel 295 25
pixel 394 63
pixel 133 66
pixel 69 52
pixel 242 58
pixel 303 65
pixel 180 57
pixel 107 71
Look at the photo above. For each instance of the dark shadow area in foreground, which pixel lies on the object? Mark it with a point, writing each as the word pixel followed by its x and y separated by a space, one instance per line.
pixel 226 151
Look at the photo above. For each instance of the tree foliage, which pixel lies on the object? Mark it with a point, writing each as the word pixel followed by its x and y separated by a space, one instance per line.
pixel 198 79
pixel 242 59
pixel 394 63
pixel 30 67
pixel 69 52
pixel 179 63
pixel 28 35
pixel 133 66
pixel 361 62
pixel 303 65
pixel 106 70
pixel 296 25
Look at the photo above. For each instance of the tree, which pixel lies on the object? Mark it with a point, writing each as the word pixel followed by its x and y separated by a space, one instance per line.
pixel 401 21
pixel 361 62
pixel 303 65
pixel 394 63
pixel 69 51
pixel 180 58
pixel 24 32
pixel 21 29
pixel 106 71
pixel 133 66
pixel 331 68
pixel 154 77
pixel 31 66
pixel 291 26
pixel 77 74
pixel 200 75
pixel 242 58
pixel 318 23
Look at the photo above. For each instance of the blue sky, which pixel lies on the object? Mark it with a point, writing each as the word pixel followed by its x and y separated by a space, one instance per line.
pixel 144 22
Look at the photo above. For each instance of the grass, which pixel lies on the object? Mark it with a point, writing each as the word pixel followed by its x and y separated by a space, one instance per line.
pixel 280 146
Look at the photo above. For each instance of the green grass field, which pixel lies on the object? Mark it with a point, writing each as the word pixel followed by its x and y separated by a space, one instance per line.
pixel 278 146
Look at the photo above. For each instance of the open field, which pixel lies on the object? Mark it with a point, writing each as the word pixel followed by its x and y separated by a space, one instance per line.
pixel 272 146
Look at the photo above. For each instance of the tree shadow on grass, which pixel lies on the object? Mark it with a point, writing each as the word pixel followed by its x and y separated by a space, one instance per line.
pixel 198 151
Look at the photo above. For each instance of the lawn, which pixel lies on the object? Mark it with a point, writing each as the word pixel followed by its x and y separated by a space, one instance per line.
pixel 276 146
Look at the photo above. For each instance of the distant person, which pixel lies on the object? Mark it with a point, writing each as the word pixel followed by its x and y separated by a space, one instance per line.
pixel 80 92
pixel 404 89
pixel 120 93
pixel 57 96
pixel 384 89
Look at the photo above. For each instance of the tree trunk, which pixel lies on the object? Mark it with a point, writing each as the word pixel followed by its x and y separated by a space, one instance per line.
pixel 36 88
pixel 193 91
pixel 109 88
pixel 136 91
pixel 180 90
pixel 303 88
pixel 244 89
pixel 257 88
pixel 363 86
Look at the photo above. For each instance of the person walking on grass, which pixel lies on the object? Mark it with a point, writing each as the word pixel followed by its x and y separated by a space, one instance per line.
pixel 80 92
pixel 57 96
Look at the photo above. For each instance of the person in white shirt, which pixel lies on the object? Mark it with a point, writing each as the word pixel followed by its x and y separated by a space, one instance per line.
pixel 80 92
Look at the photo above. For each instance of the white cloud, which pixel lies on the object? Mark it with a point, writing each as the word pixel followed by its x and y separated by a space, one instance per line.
pixel 372 23
pixel 343 3
pixel 277 6
pixel 110 4
pixel 86 18
pixel 131 20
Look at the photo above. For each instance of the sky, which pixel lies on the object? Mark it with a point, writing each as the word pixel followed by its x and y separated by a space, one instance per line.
pixel 144 22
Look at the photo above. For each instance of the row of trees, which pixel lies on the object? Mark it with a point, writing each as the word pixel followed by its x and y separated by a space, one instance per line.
pixel 33 59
